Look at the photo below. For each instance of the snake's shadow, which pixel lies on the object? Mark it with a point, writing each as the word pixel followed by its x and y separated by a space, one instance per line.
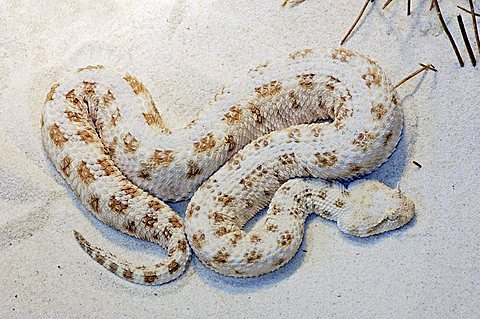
pixel 390 172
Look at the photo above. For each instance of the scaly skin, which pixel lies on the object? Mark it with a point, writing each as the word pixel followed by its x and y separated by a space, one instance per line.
pixel 104 134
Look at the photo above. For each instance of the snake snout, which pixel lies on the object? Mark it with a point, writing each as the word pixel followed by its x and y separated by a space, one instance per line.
pixel 375 208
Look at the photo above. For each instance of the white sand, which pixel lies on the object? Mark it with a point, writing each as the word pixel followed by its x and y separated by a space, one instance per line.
pixel 184 52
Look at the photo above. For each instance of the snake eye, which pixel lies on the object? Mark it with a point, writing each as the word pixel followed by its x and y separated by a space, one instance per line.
pixel 392 217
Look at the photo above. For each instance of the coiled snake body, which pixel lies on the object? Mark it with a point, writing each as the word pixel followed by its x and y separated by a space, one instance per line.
pixel 104 134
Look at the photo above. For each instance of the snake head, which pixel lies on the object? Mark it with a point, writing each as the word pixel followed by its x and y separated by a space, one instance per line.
pixel 374 208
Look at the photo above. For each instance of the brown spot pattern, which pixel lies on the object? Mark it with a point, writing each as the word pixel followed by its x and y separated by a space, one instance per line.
pixel 94 202
pixel 87 136
pixel 110 149
pixel 192 208
pixel 221 231
pixel 252 256
pixel 113 267
pixel 74 116
pixel 255 239
pixel 149 219
pixel 128 274
pixel 300 53
pixel 135 84
pixel 182 245
pixel 115 117
pixel 130 189
pixel 315 130
pixel 107 166
pixel 221 257
pixel 72 98
pixel 156 205
pixel 322 194
pixel 108 99
pixel 166 233
pixel 261 142
pixel 153 119
pixel 117 206
pixel 355 169
pixel 198 240
pixel 235 160
pixel 378 111
pixel 272 228
pixel 217 217
pixel 395 99
pixel 193 169
pixel 173 267
pixel 237 235
pixel 175 221
pixel 331 82
pixel 341 54
pixel 287 159
pixel 326 159
pixel 84 173
pixel 294 134
pixel 100 259
pixel 91 67
pixel 234 114
pixel 364 140
pixel 269 89
pixel 51 93
pixel 131 227
pixel 285 239
pixel 230 141
pixel 225 199
pixel 89 88
pixel 162 158
pixel 306 81
pixel 205 144
pixel 371 78
pixel 144 174
pixel 149 277
pixel 340 116
pixel 339 203
pixel 255 110
pixel 65 165
pixel 130 143
pixel 56 135
pixel 387 138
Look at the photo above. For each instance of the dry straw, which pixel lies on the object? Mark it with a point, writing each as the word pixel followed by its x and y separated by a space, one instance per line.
pixel 356 21
pixel 424 67
pixel 466 40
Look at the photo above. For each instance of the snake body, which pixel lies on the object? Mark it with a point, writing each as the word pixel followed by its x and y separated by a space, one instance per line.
pixel 323 113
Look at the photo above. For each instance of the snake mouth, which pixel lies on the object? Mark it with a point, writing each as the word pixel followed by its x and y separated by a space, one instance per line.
pixel 382 226
pixel 365 225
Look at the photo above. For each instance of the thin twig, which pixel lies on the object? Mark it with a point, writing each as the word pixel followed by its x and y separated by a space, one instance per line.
pixel 387 4
pixel 475 26
pixel 432 4
pixel 409 3
pixel 449 35
pixel 466 40
pixel 293 2
pixel 417 164
pixel 430 67
pixel 469 11
pixel 424 67
pixel 356 21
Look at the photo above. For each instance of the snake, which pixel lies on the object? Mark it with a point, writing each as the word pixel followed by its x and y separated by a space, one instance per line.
pixel 287 137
